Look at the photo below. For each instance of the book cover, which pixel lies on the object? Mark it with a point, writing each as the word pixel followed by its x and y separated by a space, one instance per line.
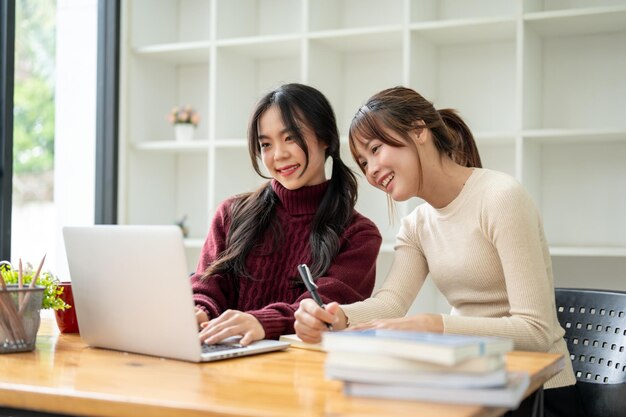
pixel 446 349
pixel 296 342
pixel 376 361
pixel 508 396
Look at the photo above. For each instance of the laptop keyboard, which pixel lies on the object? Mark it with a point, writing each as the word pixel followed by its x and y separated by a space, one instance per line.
pixel 217 348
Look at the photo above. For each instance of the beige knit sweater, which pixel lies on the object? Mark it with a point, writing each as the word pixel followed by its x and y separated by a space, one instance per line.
pixel 486 252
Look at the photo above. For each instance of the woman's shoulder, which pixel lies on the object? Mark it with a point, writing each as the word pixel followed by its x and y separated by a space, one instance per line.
pixel 495 178
pixel 503 193
pixel 225 207
pixel 496 184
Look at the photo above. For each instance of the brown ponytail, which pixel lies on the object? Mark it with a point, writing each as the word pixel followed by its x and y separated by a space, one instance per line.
pixel 464 151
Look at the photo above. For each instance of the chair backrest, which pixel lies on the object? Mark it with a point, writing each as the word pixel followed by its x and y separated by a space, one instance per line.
pixel 595 331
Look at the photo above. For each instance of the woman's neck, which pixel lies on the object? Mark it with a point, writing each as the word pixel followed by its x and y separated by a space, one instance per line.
pixel 443 182
pixel 304 200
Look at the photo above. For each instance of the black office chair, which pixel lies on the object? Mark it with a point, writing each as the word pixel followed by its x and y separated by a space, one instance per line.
pixel 595 331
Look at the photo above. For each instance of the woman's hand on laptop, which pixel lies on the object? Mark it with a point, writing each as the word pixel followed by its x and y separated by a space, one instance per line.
pixel 201 316
pixel 232 323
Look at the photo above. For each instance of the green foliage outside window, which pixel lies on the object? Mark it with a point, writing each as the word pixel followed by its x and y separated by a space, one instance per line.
pixel 33 108
pixel 33 131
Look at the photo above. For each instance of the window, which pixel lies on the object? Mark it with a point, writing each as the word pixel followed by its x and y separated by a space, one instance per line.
pixel 56 123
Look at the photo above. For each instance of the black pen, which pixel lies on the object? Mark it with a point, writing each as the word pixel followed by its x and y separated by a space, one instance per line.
pixel 305 274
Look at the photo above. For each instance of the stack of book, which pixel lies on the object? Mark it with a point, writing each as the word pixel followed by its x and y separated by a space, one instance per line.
pixel 424 366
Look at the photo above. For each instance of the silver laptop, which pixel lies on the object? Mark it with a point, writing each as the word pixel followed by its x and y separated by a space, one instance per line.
pixel 132 293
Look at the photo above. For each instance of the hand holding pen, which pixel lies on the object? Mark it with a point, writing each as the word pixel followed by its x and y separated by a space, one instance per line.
pixel 307 278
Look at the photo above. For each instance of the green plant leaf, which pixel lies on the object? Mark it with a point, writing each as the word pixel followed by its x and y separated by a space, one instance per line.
pixel 52 291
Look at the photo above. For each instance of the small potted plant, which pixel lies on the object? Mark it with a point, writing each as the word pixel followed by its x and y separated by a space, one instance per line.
pixel 23 292
pixel 184 119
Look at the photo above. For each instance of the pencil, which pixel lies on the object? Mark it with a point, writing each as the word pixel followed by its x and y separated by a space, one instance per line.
pixel 10 315
pixel 11 326
pixel 4 318
pixel 32 285
pixel 34 281
pixel 20 283
pixel 9 336
pixel 3 283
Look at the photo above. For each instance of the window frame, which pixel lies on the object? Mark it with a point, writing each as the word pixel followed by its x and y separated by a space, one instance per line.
pixel 7 62
pixel 107 107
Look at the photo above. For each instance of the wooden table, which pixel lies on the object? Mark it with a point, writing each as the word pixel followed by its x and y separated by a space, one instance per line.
pixel 65 376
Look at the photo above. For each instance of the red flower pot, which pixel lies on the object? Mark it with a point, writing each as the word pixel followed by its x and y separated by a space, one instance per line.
pixel 66 319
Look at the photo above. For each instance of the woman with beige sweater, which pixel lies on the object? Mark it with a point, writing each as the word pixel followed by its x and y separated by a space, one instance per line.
pixel 479 236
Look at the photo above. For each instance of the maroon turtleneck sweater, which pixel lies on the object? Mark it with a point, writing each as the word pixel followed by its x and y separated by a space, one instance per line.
pixel 272 296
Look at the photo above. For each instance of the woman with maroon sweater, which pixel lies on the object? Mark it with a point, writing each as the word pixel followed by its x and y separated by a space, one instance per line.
pixel 246 282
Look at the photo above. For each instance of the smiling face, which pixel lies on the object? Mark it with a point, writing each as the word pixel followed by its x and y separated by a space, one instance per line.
pixel 392 169
pixel 284 159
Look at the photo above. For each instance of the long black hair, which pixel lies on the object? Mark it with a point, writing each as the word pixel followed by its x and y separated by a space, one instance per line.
pixel 253 213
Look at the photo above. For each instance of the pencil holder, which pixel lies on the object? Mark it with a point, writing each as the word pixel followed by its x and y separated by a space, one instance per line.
pixel 19 318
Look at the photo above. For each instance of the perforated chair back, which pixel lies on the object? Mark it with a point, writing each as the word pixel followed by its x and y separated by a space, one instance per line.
pixel 595 331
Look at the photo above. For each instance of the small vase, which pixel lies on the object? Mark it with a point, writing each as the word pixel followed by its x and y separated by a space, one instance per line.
pixel 183 132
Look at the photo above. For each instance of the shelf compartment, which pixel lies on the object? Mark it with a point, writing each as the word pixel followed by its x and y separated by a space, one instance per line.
pixel 246 73
pixel 349 69
pixel 563 136
pixel 247 18
pixel 572 184
pixel 457 76
pixel 172 21
pixel 155 88
pixel 354 40
pixel 499 157
pixel 172 146
pixel 441 10
pixel 234 174
pixel 575 6
pixel 577 22
pixel 182 189
pixel 467 31
pixel 494 138
pixel 265 47
pixel 574 82
pixel 350 14
pixel 588 251
pixel 232 143
pixel 177 53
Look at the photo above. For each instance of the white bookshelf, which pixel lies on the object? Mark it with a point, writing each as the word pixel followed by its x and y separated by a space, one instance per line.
pixel 542 84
